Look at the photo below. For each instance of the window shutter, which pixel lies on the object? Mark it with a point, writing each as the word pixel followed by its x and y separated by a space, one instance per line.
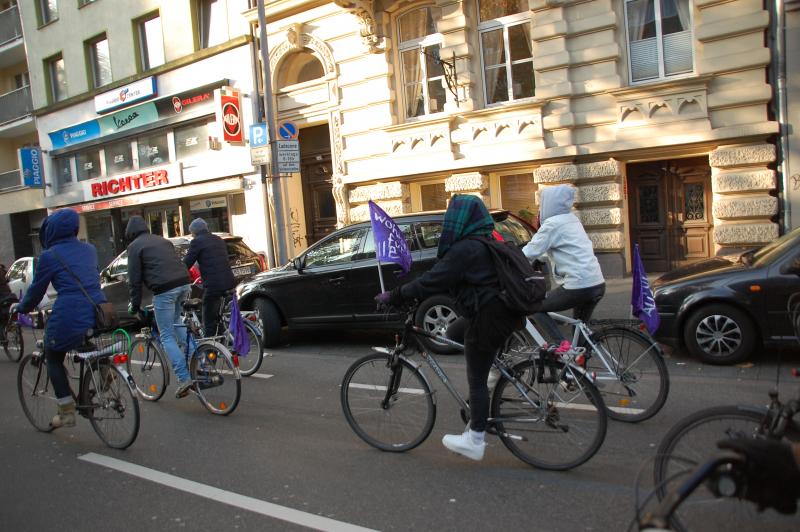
pixel 678 52
pixel 644 59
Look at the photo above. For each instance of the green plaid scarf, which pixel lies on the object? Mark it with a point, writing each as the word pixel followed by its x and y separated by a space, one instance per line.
pixel 466 215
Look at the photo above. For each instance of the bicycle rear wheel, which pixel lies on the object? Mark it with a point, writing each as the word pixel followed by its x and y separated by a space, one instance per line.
pixel 216 377
pixel 392 409
pixel 36 393
pixel 111 405
pixel 551 419
pixel 251 362
pixel 637 385
pixel 148 367
pixel 14 344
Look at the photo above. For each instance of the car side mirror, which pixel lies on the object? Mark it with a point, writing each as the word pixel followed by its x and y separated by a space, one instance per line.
pixel 299 263
pixel 792 267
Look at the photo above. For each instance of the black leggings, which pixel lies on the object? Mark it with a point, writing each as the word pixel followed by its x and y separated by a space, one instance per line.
pixel 485 335
pixel 58 375
pixel 583 300
pixel 211 306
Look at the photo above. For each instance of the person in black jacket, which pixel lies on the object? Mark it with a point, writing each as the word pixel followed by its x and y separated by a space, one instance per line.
pixel 211 254
pixel 152 261
pixel 466 269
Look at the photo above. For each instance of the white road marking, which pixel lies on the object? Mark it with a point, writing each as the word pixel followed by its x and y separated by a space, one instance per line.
pixel 156 365
pixel 230 498
pixel 262 375
pixel 415 391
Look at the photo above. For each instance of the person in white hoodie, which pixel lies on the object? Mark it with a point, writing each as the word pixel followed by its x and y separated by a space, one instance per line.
pixel 561 236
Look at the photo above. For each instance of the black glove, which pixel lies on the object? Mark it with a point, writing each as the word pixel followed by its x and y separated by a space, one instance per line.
pixel 773 475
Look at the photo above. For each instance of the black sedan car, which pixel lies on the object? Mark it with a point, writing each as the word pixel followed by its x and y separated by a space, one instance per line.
pixel 723 310
pixel 332 284
pixel 114 278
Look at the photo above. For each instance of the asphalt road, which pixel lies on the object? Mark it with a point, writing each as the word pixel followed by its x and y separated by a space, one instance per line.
pixel 286 455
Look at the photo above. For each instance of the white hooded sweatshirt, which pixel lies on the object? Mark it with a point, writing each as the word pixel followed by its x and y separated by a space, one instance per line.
pixel 563 238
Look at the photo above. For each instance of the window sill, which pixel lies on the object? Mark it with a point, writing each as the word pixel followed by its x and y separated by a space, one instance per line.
pixel 48 23
pixel 662 84
pixel 84 4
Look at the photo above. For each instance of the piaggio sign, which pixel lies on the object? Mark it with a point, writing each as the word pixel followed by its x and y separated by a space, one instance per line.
pixel 231 107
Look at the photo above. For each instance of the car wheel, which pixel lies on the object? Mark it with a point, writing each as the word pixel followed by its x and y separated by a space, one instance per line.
pixel 435 315
pixel 270 321
pixel 719 334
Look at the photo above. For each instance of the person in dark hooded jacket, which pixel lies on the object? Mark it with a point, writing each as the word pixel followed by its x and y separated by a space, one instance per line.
pixel 466 270
pixel 152 261
pixel 73 314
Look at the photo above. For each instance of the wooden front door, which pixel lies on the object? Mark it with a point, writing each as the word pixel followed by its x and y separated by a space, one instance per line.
pixel 318 202
pixel 670 212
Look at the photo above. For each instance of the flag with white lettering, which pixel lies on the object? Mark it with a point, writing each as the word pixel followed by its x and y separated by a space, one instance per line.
pixel 390 242
pixel 642 302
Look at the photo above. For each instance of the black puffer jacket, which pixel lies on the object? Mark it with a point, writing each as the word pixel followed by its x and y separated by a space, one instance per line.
pixel 211 254
pixel 466 271
pixel 151 260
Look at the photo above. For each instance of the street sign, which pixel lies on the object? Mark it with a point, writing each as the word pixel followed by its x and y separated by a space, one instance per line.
pixel 258 135
pixel 259 155
pixel 287 130
pixel 288 156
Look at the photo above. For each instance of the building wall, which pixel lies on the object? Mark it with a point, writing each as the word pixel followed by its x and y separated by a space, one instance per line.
pixel 793 100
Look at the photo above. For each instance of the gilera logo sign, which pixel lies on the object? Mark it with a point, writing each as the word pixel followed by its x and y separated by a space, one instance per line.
pixel 107 187
pixel 230 100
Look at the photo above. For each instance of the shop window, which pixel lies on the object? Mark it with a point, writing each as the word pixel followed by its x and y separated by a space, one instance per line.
pixel 659 38
pixel 100 61
pixel 153 149
pixel 88 165
pixel 119 158
pixel 506 49
pixel 434 196
pixel 191 140
pixel 63 170
pixel 422 73
pixel 518 195
pixel 214 211
pixel 151 42
pixel 298 68
pixel 56 77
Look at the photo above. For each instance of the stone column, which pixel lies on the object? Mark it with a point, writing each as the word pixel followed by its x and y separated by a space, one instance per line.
pixel 743 206
pixel 393 197
pixel 474 183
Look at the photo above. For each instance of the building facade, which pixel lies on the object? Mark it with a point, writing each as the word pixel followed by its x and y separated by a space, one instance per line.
pixel 657 111
pixel 141 108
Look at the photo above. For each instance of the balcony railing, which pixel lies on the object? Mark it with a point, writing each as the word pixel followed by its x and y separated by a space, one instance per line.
pixel 10 25
pixel 10 179
pixel 15 104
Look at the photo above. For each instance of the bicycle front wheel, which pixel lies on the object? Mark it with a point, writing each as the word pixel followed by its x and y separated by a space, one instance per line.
pixel 250 363
pixel 111 404
pixel 14 345
pixel 216 377
pixel 549 416
pixel 390 408
pixel 630 374
pixel 148 367
pixel 36 394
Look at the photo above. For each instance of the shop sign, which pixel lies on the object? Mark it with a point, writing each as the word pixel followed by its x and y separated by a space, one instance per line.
pixel 30 162
pixel 210 203
pixel 128 119
pixel 231 115
pixel 186 102
pixel 126 95
pixel 75 134
pixel 106 187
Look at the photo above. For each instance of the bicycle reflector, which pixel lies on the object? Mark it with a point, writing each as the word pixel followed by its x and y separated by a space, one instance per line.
pixel 235 360
pixel 120 358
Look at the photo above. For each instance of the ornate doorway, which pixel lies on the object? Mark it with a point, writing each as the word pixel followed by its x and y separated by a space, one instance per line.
pixel 670 212
pixel 316 172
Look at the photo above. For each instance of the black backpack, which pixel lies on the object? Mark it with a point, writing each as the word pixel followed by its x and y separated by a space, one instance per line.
pixel 521 287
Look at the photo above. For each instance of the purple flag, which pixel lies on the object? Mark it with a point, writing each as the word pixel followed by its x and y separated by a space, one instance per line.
pixel 642 302
pixel 390 242
pixel 241 344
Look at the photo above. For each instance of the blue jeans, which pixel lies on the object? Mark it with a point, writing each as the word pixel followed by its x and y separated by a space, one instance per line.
pixel 167 307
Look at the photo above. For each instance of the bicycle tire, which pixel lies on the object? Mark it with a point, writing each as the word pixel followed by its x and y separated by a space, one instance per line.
pixel 216 377
pixel 251 363
pixel 14 344
pixel 571 394
pixel 691 442
pixel 148 367
pixel 111 404
pixel 364 388
pixel 36 394
pixel 641 384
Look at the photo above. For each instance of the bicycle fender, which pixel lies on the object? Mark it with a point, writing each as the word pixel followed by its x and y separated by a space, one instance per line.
pixel 128 379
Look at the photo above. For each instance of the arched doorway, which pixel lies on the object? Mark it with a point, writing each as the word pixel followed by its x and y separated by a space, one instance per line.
pixel 316 173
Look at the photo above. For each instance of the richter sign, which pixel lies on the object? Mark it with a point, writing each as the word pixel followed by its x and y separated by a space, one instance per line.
pixel 161 177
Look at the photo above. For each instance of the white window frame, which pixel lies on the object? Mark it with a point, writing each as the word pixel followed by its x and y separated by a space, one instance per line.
pixel 503 23
pixel 419 45
pixel 659 46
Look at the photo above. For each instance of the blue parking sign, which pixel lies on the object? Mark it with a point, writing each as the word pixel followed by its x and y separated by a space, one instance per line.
pixel 258 135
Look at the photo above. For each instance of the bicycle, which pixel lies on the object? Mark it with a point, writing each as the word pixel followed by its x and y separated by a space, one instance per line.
pixel 250 363
pixel 213 369
pixel 548 414
pixel 627 366
pixel 12 340
pixel 106 392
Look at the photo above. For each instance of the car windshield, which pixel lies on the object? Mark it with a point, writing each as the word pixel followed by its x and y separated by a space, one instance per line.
pixel 775 249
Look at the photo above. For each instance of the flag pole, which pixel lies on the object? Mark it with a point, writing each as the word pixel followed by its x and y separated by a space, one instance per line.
pixel 380 270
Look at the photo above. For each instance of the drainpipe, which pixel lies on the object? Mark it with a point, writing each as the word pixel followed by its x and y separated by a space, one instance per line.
pixel 778 78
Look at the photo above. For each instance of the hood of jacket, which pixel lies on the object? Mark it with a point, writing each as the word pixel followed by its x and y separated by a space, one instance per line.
pixel 136 226
pixel 556 200
pixel 61 225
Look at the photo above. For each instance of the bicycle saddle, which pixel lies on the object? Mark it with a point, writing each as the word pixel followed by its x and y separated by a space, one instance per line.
pixel 192 304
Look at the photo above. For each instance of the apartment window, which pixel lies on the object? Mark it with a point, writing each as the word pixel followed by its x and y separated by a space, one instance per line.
pixel 22 80
pixel 88 164
pixel 506 49
pixel 119 157
pixel 100 61
pixel 191 140
pixel 151 42
pixel 518 195
pixel 422 73
pixel 56 78
pixel 213 22
pixel 659 38
pixel 434 196
pixel 48 11
pixel 153 149
pixel 63 170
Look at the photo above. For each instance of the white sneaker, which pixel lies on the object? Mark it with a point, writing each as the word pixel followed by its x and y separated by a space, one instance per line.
pixel 464 445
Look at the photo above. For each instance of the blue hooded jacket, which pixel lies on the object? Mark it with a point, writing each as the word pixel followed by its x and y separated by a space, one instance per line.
pixel 73 314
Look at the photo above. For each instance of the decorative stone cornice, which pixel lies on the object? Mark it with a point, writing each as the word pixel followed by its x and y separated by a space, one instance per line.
pixel 364 11
pixel 732 156
pixel 471 181
pixel 296 40
pixel 555 173
pixel 380 191
pixel 391 207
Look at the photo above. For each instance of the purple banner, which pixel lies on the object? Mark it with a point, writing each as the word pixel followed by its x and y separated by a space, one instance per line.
pixel 390 242
pixel 642 302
